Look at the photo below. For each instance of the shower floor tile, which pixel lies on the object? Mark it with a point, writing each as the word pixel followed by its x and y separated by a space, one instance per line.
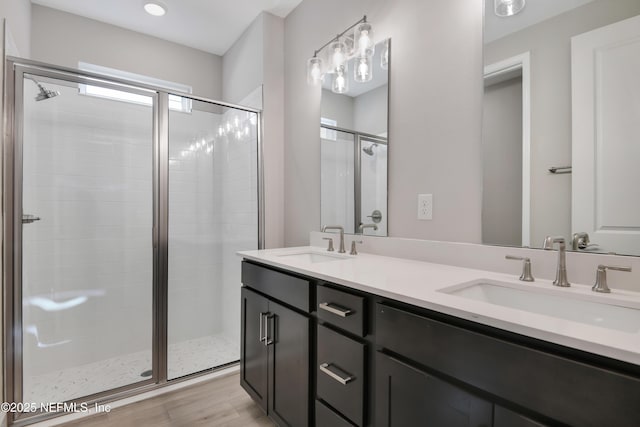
pixel 184 358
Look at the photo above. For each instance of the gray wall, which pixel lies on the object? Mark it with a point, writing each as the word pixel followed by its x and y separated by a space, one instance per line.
pixel 370 111
pixel 550 45
pixel 502 164
pixel 64 39
pixel 255 59
pixel 18 22
pixel 339 108
pixel 435 113
pixel 242 66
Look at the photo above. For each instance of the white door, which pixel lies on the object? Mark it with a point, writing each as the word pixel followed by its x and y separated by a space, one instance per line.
pixel 606 136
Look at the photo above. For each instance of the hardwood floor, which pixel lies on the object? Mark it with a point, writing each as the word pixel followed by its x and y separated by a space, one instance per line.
pixel 219 402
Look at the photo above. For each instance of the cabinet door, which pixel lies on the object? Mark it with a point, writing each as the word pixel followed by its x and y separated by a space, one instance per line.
pixel 504 417
pixel 253 351
pixel 406 396
pixel 289 391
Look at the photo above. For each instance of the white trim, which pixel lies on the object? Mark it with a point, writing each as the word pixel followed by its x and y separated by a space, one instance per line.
pixel 502 68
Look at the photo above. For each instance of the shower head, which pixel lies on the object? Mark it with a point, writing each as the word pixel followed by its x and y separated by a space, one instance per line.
pixel 44 92
pixel 369 150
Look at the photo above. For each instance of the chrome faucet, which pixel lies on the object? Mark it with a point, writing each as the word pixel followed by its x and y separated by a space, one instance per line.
pixel 341 229
pixel 561 270
pixel 363 226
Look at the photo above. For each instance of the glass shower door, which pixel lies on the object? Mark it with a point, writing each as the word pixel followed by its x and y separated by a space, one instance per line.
pixel 87 239
pixel 213 212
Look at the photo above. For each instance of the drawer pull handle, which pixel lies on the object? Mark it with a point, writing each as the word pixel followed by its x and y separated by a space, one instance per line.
pixel 335 309
pixel 344 381
pixel 262 328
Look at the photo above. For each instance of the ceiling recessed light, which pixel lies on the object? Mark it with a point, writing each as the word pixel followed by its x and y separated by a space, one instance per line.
pixel 155 8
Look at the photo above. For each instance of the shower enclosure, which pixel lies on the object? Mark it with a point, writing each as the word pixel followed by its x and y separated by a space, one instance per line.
pixel 353 179
pixel 124 205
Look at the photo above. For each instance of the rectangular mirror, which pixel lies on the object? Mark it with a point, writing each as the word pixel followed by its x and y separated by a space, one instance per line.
pixel 354 145
pixel 560 125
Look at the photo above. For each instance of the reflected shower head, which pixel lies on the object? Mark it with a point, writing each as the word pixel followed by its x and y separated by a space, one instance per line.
pixel 44 92
pixel 369 150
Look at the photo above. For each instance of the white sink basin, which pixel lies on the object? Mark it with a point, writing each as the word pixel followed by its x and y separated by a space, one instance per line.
pixel 313 257
pixel 608 312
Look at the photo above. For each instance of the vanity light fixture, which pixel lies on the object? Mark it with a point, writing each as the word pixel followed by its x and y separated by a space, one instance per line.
pixel 506 8
pixel 314 70
pixel 155 8
pixel 354 42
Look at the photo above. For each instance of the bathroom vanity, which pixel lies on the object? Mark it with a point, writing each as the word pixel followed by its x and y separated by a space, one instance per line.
pixel 335 340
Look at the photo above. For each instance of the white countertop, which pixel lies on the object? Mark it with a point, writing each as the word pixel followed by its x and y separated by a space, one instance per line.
pixel 417 283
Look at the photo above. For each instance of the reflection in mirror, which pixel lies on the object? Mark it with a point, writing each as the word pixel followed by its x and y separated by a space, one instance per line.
pixel 353 132
pixel 560 125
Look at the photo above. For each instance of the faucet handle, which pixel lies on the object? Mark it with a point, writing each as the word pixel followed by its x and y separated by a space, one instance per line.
pixel 526 275
pixel 330 248
pixel 601 277
pixel 353 247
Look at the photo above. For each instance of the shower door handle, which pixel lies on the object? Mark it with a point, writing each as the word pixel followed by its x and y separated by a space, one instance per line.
pixel 28 218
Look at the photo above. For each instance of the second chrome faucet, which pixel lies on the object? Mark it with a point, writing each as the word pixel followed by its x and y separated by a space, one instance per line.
pixel 561 269
pixel 339 228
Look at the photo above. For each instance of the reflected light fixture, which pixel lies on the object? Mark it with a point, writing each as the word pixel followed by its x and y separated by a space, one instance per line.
pixel 362 71
pixel 340 80
pixel 384 58
pixel 155 8
pixel 506 8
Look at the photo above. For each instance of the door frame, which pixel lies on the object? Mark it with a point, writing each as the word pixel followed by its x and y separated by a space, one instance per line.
pixel 519 65
pixel 15 69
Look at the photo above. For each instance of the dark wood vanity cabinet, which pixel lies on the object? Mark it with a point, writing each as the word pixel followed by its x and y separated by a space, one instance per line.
pixel 406 396
pixel 321 354
pixel 274 360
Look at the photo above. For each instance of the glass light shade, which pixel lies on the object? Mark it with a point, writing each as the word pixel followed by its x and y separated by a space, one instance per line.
pixel 363 69
pixel 384 57
pixel 338 52
pixel 340 80
pixel 314 71
pixel 505 8
pixel 364 39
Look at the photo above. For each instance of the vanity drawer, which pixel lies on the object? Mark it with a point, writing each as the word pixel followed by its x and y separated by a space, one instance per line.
pixel 325 417
pixel 557 386
pixel 280 286
pixel 340 373
pixel 341 309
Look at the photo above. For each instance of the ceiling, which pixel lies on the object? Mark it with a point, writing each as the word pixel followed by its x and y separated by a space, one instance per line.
pixel 209 25
pixel 534 12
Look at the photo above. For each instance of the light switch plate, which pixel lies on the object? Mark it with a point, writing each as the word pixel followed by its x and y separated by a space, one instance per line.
pixel 425 207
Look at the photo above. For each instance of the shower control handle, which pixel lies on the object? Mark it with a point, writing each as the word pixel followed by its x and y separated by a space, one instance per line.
pixel 28 218
pixel 376 216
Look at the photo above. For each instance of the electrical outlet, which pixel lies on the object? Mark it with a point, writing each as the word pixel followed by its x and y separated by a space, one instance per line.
pixel 425 206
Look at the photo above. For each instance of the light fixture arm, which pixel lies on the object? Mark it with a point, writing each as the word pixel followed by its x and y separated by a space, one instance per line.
pixel 362 20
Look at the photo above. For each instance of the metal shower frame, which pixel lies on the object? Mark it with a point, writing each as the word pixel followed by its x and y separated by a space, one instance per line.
pixel 15 70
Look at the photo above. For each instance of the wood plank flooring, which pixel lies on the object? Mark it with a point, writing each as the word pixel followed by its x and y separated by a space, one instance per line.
pixel 219 402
